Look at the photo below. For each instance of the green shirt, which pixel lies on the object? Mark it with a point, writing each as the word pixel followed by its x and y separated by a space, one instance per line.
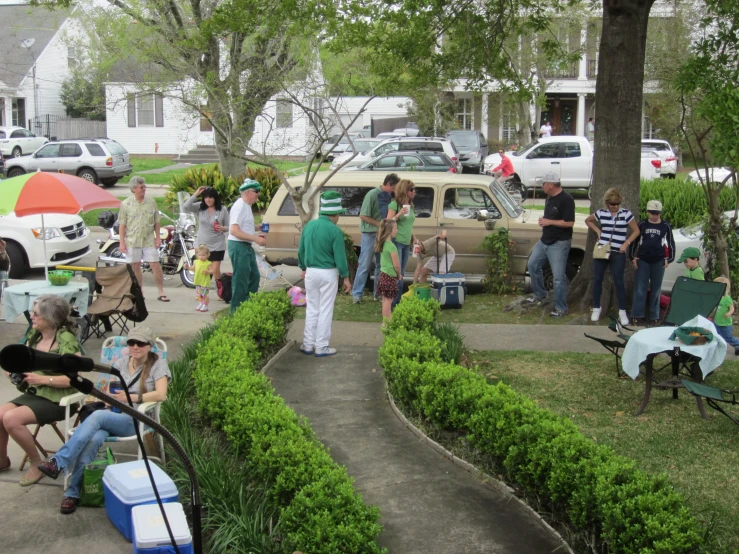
pixel 66 343
pixel 322 246
pixel 202 279
pixel 405 224
pixel 370 208
pixel 721 319
pixel 140 219
pixel 386 258
pixel 696 273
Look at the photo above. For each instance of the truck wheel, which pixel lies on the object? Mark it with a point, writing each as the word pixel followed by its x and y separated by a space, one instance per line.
pixel 15 172
pixel 17 260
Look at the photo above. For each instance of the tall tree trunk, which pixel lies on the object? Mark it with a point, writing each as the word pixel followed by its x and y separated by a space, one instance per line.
pixel 720 266
pixel 618 91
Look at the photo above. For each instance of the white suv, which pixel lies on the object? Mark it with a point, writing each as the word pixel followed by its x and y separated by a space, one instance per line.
pixel 665 153
pixel 409 144
pixel 17 141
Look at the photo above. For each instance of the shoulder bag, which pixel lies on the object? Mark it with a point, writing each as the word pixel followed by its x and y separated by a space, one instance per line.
pixel 603 251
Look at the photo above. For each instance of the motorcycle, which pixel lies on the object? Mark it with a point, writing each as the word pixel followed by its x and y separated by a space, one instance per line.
pixel 177 248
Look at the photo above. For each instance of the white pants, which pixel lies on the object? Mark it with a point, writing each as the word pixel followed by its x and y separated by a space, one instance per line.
pixel 321 286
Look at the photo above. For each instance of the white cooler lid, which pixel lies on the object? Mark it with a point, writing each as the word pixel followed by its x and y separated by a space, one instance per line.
pixel 149 528
pixel 130 482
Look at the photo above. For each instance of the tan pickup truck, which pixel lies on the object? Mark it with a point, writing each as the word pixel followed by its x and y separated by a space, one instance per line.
pixel 443 201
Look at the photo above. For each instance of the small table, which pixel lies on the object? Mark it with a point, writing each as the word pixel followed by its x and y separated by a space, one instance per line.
pixel 19 299
pixel 643 346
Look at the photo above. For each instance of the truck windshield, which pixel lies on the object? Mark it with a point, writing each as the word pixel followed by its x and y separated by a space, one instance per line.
pixel 523 149
pixel 512 208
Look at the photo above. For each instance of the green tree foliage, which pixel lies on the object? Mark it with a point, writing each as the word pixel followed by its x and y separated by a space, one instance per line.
pixel 83 95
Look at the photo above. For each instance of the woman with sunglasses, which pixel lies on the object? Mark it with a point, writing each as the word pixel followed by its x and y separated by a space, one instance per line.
pixel 212 225
pixel 52 330
pixel 618 229
pixel 651 255
pixel 146 375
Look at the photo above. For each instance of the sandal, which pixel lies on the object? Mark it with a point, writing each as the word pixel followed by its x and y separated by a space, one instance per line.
pixel 7 466
pixel 26 482
pixel 163 298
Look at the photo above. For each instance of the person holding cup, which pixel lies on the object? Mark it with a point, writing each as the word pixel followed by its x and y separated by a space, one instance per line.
pixel 212 225
pixel 401 210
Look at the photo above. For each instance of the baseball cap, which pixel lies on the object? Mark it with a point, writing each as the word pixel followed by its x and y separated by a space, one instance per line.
pixel 690 252
pixel 654 206
pixel 142 334
pixel 548 178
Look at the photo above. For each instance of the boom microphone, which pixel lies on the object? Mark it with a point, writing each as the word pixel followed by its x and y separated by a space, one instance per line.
pixel 19 358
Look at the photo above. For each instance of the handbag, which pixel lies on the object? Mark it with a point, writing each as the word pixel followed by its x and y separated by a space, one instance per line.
pixel 603 251
pixel 92 480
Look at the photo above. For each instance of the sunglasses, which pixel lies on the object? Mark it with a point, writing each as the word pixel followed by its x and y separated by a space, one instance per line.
pixel 412 190
pixel 137 343
pixel 35 314
pixel 614 204
pixel 653 212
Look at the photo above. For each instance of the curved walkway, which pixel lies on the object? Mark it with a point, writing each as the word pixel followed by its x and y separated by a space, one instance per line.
pixel 427 503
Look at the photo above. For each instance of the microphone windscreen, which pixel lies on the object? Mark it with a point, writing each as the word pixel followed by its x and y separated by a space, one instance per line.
pixel 19 358
pixel 16 358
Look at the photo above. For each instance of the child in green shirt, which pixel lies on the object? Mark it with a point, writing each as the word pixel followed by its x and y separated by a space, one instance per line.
pixel 722 319
pixel 691 258
pixel 387 282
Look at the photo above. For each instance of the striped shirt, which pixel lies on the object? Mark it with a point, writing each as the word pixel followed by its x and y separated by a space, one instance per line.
pixel 613 227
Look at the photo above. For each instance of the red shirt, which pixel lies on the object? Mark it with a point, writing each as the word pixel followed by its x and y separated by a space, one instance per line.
pixel 505 166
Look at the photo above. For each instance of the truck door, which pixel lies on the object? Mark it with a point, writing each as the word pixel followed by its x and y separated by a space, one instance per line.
pixel 575 166
pixel 545 158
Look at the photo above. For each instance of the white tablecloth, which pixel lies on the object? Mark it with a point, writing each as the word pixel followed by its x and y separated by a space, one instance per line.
pixel 20 298
pixel 657 339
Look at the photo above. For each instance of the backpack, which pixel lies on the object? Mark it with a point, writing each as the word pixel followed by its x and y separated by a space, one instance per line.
pixel 138 312
pixel 224 287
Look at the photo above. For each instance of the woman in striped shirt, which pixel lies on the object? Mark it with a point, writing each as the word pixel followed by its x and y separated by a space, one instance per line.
pixel 615 224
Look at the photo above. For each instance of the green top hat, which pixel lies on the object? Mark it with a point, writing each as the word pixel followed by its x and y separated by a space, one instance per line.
pixel 250 184
pixel 331 203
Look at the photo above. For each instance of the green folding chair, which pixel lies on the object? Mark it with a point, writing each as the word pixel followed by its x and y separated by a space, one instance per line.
pixel 614 346
pixel 690 298
pixel 713 396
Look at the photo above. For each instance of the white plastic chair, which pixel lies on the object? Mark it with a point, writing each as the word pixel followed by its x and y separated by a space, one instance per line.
pixel 115 348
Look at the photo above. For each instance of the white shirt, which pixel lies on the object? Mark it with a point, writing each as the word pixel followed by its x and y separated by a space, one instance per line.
pixel 241 215
pixel 546 130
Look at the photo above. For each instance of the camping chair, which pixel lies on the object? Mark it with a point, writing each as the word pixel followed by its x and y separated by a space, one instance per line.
pixel 713 396
pixel 115 288
pixel 614 346
pixel 269 277
pixel 115 348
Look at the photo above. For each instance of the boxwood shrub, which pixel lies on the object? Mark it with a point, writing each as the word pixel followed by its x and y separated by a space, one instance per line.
pixel 588 487
pixel 319 510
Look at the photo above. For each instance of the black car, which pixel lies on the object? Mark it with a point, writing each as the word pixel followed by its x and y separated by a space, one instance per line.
pixel 472 147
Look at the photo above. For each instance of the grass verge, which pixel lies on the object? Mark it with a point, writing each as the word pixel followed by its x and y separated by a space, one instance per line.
pixel 700 457
pixel 146 163
pixel 91 218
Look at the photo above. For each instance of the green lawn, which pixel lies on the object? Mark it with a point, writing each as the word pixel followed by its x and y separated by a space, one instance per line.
pixel 701 457
pixel 91 218
pixel 145 164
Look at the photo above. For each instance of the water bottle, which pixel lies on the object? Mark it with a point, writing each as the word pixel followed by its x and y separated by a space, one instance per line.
pixel 113 388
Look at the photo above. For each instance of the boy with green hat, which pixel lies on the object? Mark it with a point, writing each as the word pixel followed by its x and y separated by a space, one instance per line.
pixel 241 238
pixel 322 257
pixel 691 258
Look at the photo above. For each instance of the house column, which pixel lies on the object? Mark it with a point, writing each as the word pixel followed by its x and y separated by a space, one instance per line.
pixel 582 64
pixel 581 114
pixel 484 115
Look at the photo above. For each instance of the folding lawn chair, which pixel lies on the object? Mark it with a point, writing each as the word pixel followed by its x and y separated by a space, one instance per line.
pixel 614 346
pixel 713 396
pixel 269 276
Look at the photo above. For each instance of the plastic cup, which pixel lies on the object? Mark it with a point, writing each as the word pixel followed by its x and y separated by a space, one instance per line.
pixel 407 208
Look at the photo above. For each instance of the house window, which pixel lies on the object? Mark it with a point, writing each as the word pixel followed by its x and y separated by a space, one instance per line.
pixel 284 114
pixel 205 124
pixel 72 60
pixel 464 113
pixel 508 131
pixel 145 110
pixel 18 112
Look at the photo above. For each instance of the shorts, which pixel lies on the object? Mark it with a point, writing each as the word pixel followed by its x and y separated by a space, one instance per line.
pixel 217 256
pixel 387 286
pixel 136 255
pixel 441 265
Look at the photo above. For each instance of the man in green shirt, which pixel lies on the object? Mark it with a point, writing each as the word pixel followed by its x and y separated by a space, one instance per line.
pixel 322 257
pixel 369 219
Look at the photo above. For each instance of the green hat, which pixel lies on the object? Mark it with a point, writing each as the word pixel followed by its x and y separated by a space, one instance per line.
pixel 250 184
pixel 331 203
pixel 690 252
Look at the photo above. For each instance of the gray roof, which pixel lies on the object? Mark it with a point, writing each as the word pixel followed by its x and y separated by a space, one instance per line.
pixel 20 22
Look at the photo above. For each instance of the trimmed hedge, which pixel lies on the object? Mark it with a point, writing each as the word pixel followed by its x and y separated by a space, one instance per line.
pixel 590 488
pixel 320 512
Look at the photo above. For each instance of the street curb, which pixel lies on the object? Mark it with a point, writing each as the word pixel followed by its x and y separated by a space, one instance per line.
pixel 481 476
pixel 281 352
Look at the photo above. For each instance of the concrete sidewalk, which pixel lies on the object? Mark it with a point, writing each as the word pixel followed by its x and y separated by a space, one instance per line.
pixel 428 504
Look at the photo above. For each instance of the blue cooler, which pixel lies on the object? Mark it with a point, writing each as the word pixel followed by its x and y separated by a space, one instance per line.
pixel 127 485
pixel 150 534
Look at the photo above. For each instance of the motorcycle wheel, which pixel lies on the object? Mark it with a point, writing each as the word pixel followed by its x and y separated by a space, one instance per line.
pixel 188 276
pixel 114 251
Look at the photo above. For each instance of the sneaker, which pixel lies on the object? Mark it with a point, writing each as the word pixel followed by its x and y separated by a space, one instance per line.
pixel 308 351
pixel 639 322
pixel 323 352
pixel 204 309
pixel 596 314
pixel 356 300
pixel 49 468
pixel 532 300
pixel 557 313
pixel 623 318
pixel 653 323
pixel 198 308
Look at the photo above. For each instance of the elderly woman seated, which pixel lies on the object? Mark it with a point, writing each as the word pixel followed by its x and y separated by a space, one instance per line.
pixel 146 375
pixel 52 330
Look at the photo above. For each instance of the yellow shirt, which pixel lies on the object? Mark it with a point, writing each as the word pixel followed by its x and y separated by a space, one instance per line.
pixel 202 279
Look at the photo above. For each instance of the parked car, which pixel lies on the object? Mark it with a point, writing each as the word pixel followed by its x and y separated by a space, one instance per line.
pixel 361 146
pixel 409 144
pixel 691 235
pixel 473 148
pixel 17 141
pixel 715 175
pixel 666 154
pixel 339 143
pixel 100 161
pixel 409 161
pixel 389 135
pixel 67 240
pixel 651 165
pixel 442 201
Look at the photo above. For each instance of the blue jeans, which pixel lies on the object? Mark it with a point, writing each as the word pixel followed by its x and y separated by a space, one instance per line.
pixel 725 332
pixel 648 278
pixel 556 254
pixel 366 253
pixel 403 252
pixel 617 263
pixel 84 444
